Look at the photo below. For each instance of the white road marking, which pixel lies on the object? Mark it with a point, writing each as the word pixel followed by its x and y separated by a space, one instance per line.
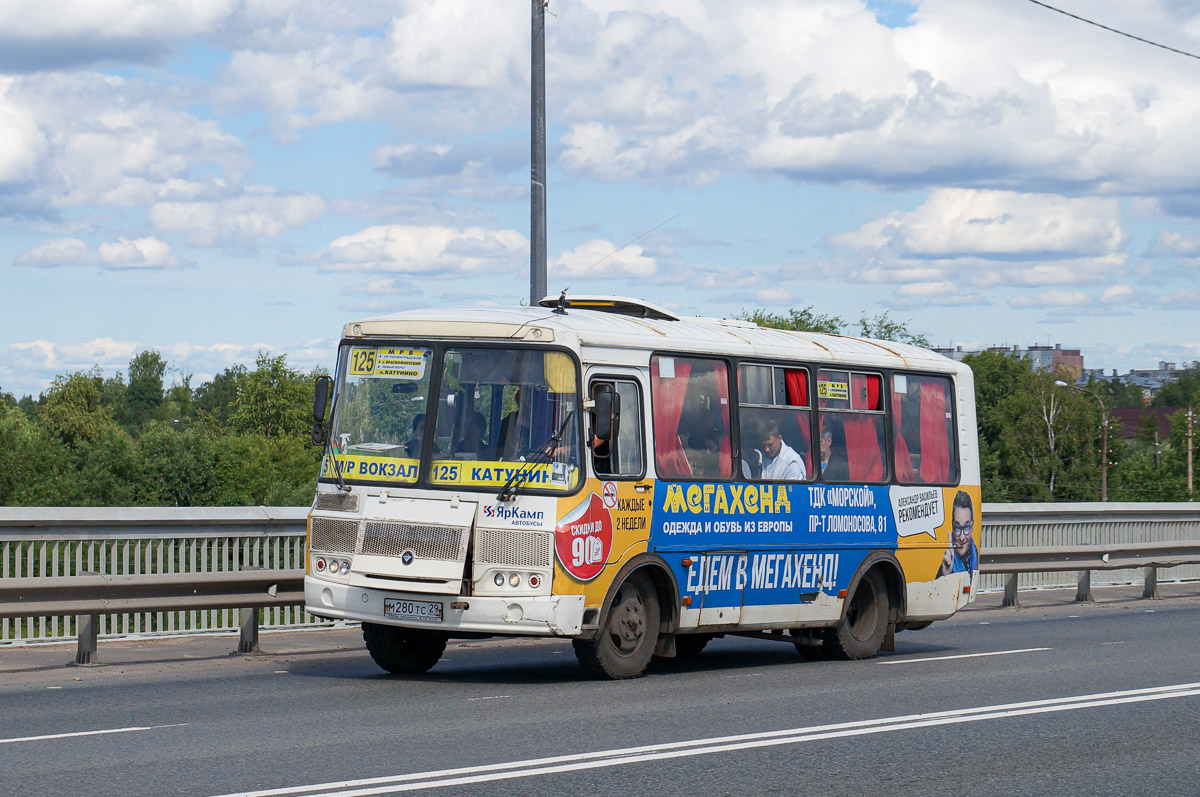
pixel 1113 643
pixel 89 733
pixel 489 697
pixel 962 656
pixel 669 750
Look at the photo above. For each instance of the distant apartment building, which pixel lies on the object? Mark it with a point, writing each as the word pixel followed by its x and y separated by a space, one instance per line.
pixel 1041 358
pixel 1148 380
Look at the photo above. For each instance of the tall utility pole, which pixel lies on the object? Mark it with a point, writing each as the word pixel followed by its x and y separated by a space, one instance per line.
pixel 537 171
pixel 1191 416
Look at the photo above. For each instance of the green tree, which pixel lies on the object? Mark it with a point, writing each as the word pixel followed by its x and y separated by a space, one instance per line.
pixel 72 409
pixel 215 400
pixel 144 394
pixel 884 327
pixel 1118 394
pixel 806 320
pixel 273 400
pixel 1183 392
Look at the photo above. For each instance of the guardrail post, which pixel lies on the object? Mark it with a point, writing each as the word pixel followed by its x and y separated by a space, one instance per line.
pixel 1010 590
pixel 1084 593
pixel 87 627
pixel 249 639
pixel 1151 589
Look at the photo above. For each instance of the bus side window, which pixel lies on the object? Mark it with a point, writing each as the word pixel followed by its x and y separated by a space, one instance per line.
pixel 852 426
pixel 923 420
pixel 773 414
pixel 691 417
pixel 621 456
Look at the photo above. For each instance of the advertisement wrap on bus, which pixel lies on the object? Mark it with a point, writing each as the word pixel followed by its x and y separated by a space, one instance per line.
pixel 637 482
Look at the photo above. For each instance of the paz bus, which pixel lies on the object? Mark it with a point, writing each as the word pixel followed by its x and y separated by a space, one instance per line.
pixel 601 469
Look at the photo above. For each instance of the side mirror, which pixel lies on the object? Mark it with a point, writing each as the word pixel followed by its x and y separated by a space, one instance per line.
pixel 606 413
pixel 320 404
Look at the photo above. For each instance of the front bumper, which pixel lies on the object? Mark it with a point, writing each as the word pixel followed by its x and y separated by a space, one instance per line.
pixel 549 615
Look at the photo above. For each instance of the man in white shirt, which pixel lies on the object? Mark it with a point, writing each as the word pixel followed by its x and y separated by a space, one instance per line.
pixel 780 461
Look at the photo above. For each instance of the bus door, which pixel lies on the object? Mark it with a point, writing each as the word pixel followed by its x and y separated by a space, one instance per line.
pixel 616 432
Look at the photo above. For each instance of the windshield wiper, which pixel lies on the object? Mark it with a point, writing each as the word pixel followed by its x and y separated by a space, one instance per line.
pixel 545 451
pixel 337 466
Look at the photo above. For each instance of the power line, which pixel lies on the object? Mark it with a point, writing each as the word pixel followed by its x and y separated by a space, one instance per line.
pixel 1114 30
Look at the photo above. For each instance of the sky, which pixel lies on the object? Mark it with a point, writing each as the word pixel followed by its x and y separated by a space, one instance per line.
pixel 218 178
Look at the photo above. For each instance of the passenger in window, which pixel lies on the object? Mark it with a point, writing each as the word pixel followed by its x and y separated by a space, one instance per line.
pixel 834 465
pixel 780 461
pixel 471 443
pixel 413 446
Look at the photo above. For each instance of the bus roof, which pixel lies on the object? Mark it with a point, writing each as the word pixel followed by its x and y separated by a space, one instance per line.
pixel 614 329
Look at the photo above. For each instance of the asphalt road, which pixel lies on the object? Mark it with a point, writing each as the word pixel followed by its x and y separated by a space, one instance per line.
pixel 1055 698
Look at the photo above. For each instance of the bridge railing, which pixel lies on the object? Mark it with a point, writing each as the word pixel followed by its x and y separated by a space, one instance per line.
pixel 129 553
pixel 164 570
pixel 1087 545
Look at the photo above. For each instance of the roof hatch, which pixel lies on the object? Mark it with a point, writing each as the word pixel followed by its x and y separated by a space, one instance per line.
pixel 618 305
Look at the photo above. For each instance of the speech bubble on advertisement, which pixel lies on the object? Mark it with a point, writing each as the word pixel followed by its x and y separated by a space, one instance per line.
pixel 917 510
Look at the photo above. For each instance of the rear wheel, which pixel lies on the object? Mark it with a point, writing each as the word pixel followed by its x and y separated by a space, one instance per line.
pixel 403 650
pixel 860 632
pixel 626 642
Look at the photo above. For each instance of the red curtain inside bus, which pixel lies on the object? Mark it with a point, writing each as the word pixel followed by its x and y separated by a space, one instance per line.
pixel 935 437
pixel 668 395
pixel 797 387
pixel 725 463
pixel 863 452
pixel 904 467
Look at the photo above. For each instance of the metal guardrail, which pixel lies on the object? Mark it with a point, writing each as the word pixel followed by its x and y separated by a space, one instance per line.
pixel 90 571
pixel 1067 542
pixel 85 572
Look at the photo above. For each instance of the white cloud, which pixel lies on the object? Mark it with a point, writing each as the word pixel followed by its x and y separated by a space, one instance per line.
pixel 138 253
pixel 774 295
pixel 427 250
pixel 260 213
pixel 1053 298
pixel 58 252
pixel 1118 294
pixel 103 140
pixel 955 222
pixel 600 259
pixel 1169 243
pixel 124 253
pixel 30 367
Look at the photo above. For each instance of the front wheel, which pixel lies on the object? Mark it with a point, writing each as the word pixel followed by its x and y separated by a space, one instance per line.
pixel 403 650
pixel 626 642
pixel 859 634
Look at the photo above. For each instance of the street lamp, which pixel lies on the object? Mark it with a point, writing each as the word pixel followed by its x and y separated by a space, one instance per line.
pixel 1103 434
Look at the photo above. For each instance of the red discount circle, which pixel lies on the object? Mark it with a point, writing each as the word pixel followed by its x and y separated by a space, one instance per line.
pixel 583 539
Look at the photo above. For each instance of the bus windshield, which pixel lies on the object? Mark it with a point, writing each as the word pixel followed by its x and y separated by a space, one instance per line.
pixel 496 409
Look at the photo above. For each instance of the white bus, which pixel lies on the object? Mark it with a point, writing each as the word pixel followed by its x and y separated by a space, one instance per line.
pixel 601 469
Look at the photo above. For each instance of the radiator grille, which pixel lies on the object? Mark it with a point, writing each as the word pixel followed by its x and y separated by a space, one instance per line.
pixel 514 548
pixel 337 502
pixel 426 542
pixel 333 535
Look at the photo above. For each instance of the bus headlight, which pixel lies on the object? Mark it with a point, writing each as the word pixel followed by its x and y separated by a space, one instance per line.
pixel 514 580
pixel 499 579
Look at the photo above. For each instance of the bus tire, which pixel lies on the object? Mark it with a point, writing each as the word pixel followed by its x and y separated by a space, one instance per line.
pixel 859 634
pixel 689 645
pixel 626 642
pixel 403 650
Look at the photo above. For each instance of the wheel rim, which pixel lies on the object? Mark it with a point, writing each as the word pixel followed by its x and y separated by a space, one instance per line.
pixel 863 615
pixel 627 623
